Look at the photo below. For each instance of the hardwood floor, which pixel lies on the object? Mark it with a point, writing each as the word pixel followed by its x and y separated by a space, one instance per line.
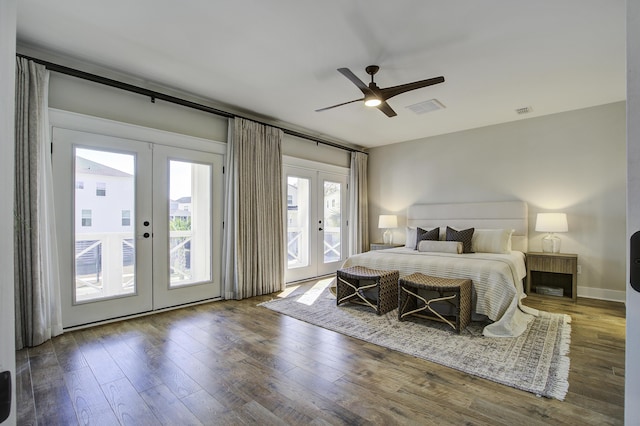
pixel 233 362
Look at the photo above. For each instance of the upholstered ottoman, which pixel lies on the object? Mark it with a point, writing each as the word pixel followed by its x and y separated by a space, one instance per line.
pixel 454 291
pixel 353 282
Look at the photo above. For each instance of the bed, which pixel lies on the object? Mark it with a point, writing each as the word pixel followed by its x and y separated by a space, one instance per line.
pixel 496 267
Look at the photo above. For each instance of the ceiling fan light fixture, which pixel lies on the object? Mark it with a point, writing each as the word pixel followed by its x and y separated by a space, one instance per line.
pixel 372 102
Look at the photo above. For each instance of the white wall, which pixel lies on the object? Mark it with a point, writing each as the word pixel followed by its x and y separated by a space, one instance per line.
pixel 309 150
pixel 7 99
pixel 85 97
pixel 632 369
pixel 572 162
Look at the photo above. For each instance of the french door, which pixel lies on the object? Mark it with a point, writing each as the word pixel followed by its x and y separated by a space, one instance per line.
pixel 139 225
pixel 316 222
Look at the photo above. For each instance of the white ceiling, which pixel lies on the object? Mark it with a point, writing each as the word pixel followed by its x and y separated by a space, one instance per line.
pixel 278 58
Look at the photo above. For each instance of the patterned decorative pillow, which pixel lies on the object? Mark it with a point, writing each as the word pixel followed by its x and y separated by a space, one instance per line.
pixel 465 236
pixel 421 235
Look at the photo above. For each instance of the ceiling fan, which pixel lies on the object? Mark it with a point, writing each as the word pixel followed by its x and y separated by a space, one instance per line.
pixel 377 97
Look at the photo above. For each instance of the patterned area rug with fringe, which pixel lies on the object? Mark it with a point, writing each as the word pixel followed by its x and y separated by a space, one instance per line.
pixel 537 361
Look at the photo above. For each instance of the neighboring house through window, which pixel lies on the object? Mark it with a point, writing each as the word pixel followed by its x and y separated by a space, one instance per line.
pixel 101 189
pixel 126 217
pixel 86 217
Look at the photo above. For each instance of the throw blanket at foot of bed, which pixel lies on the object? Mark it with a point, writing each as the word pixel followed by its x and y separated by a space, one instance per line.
pixel 496 279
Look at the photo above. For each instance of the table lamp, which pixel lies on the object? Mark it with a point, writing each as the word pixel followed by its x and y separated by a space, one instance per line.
pixel 550 223
pixel 387 221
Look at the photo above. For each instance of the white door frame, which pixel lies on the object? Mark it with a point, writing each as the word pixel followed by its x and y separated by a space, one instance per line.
pixel 137 135
pixel 317 172
pixel 163 294
pixel 632 367
pixel 63 159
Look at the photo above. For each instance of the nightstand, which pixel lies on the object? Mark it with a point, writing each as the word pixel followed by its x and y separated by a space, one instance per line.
pixel 382 246
pixel 553 274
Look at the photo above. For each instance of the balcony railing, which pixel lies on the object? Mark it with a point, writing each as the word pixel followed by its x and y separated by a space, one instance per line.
pixel 105 263
pixel 298 250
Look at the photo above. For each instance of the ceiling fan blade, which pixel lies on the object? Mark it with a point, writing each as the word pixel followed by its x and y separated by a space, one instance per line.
pixel 390 92
pixel 384 107
pixel 344 103
pixel 355 80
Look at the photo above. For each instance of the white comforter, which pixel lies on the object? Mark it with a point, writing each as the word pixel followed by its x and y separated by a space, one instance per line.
pixel 496 278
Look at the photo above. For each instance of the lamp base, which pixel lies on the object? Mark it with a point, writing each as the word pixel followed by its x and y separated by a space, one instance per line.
pixel 551 244
pixel 387 237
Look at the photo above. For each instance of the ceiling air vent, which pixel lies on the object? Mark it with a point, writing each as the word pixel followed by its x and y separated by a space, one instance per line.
pixel 524 110
pixel 426 106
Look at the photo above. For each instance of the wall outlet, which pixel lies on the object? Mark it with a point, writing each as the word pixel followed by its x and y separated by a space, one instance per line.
pixel 579 269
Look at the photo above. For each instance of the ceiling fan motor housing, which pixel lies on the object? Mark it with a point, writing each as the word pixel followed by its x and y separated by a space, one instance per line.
pixel 372 69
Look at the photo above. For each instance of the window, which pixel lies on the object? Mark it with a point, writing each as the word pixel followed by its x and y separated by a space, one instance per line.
pixel 101 189
pixel 79 184
pixel 86 217
pixel 289 199
pixel 126 217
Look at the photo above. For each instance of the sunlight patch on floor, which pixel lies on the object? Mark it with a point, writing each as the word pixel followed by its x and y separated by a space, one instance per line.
pixel 315 291
pixel 287 291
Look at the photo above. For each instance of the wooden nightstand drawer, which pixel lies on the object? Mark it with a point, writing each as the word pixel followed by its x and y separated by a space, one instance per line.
pixel 552 264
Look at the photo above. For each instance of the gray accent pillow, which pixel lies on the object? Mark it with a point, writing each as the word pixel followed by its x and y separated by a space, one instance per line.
pixel 464 236
pixel 421 235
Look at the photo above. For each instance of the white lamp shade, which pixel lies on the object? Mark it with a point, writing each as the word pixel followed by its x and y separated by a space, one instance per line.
pixel 388 221
pixel 551 222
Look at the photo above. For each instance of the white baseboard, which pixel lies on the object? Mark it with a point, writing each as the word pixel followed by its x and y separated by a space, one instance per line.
pixel 602 294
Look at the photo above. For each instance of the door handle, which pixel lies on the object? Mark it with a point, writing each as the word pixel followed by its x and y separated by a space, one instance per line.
pixel 634 262
pixel 146 235
pixel 320 229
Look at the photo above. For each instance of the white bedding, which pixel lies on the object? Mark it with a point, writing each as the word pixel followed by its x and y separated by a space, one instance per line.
pixel 496 279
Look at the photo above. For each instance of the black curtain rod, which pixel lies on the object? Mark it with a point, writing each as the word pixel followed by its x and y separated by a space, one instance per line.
pixel 173 99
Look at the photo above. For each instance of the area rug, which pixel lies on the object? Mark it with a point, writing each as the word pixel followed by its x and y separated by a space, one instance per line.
pixel 537 361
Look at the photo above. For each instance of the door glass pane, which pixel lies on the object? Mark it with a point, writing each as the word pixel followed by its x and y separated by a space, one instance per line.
pixel 104 246
pixel 189 223
pixel 332 247
pixel 298 210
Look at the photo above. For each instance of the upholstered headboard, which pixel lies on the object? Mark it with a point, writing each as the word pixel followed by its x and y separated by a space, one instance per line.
pixel 494 215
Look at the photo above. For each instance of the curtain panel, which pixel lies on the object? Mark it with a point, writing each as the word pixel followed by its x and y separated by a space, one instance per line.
pixel 37 282
pixel 358 208
pixel 254 224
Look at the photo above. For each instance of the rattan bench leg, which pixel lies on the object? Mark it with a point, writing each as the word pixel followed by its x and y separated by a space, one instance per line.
pixel 357 293
pixel 427 305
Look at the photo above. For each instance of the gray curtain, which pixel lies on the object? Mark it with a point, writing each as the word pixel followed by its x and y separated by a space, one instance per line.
pixel 254 244
pixel 37 282
pixel 358 208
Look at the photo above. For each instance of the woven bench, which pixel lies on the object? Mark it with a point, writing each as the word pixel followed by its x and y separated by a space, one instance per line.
pixel 353 282
pixel 454 291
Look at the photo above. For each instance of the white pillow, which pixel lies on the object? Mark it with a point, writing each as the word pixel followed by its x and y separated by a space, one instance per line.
pixel 411 237
pixel 440 246
pixel 491 241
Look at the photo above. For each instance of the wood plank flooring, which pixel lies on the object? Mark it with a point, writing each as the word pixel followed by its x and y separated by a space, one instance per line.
pixel 233 362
